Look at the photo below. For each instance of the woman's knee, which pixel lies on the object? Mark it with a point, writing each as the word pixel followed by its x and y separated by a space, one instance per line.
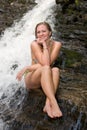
pixel 55 70
pixel 46 68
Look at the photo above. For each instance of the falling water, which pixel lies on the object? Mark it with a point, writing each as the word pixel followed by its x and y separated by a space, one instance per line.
pixel 15 44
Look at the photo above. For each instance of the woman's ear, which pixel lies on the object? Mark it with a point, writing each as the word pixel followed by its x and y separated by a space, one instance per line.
pixel 50 34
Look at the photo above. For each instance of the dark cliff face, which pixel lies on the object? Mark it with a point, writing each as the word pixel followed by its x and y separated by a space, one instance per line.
pixel 71 29
pixel 11 10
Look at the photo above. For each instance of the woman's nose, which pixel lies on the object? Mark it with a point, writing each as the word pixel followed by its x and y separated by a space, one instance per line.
pixel 41 33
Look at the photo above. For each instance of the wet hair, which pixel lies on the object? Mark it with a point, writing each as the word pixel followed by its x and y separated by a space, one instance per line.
pixel 43 23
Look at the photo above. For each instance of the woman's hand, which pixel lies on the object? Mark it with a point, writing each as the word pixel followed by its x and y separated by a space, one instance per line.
pixel 41 41
pixel 19 75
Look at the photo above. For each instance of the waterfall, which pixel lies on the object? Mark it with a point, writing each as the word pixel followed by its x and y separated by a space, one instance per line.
pixel 15 44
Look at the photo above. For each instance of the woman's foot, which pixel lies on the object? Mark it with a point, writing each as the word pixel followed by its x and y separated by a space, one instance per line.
pixel 52 109
pixel 56 112
pixel 47 108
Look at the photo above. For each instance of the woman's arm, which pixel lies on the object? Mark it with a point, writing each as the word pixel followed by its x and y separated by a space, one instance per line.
pixel 27 69
pixel 56 50
pixel 42 56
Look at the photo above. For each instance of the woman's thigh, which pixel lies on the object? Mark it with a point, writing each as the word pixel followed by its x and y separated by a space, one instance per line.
pixel 32 79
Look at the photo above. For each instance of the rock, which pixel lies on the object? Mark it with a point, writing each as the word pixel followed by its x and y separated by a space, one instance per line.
pixel 25 112
pixel 11 10
pixel 70 29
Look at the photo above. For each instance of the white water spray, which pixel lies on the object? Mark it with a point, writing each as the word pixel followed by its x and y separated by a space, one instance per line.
pixel 14 44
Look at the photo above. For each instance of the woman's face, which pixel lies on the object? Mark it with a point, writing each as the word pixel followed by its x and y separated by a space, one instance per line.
pixel 42 32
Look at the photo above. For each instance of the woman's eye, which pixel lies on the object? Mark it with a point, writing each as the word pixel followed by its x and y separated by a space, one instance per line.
pixel 38 32
pixel 44 31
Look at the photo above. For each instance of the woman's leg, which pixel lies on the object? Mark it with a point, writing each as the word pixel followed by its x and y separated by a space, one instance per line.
pixel 55 76
pixel 49 89
pixel 32 79
pixel 43 76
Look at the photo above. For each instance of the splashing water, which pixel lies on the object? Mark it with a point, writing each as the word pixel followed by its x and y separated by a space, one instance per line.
pixel 15 44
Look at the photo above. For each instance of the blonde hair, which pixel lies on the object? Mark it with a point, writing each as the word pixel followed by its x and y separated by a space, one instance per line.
pixel 43 23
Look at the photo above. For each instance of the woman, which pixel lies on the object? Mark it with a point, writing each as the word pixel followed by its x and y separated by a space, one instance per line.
pixel 44 51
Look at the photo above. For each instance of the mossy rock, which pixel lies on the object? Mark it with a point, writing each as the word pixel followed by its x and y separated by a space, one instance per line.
pixel 69 58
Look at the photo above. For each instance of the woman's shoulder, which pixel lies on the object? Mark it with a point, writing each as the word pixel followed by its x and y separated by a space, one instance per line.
pixel 34 44
pixel 57 43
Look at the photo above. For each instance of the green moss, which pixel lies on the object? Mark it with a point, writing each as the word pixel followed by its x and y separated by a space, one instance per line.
pixel 71 57
pixel 77 2
pixel 72 54
pixel 66 0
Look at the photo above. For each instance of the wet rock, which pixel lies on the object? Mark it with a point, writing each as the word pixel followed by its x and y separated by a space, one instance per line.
pixel 13 10
pixel 30 115
pixel 70 29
